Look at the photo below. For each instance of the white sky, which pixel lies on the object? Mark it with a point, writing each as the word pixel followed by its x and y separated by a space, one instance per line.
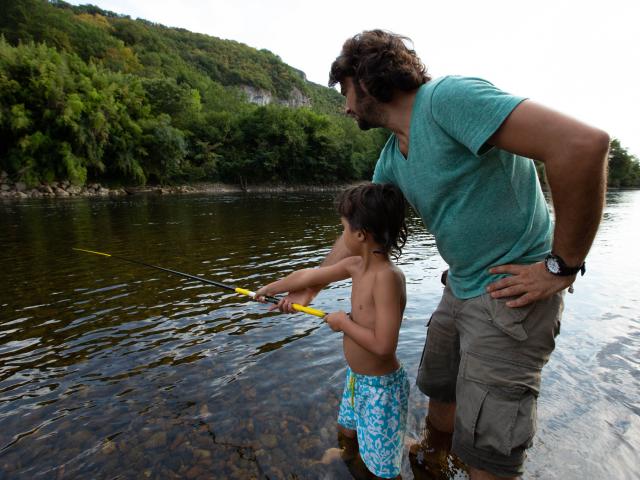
pixel 579 57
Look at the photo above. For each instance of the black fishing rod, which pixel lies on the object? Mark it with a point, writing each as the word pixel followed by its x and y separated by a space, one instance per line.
pixel 241 291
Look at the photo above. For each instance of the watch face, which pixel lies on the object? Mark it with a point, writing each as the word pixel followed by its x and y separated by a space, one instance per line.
pixel 553 265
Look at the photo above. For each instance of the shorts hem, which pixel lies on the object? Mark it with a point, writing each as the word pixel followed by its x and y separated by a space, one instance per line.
pixel 381 475
pixel 490 463
pixel 348 427
pixel 427 390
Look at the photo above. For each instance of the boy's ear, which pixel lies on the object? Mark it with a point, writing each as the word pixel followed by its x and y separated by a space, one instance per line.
pixel 361 235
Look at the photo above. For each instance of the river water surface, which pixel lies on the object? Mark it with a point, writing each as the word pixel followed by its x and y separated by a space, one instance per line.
pixel 110 370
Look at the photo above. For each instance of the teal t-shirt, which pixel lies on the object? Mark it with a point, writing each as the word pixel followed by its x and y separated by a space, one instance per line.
pixel 483 205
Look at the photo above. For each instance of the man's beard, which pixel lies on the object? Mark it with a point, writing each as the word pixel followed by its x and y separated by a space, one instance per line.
pixel 369 114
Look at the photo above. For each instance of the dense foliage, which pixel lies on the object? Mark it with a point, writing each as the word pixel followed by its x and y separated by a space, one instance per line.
pixel 87 94
pixel 624 168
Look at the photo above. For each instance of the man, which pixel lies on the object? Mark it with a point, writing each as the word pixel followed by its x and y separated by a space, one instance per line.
pixel 460 151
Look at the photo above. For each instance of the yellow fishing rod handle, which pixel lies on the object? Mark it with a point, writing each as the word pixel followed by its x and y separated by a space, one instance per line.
pixel 295 306
pixel 309 310
pixel 244 291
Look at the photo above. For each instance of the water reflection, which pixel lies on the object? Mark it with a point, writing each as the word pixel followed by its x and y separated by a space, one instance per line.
pixel 113 370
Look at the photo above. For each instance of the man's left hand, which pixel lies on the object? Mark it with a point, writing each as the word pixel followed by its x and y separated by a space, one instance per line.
pixel 528 283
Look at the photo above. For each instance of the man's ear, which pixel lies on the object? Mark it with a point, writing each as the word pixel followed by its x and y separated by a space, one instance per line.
pixel 361 235
pixel 363 87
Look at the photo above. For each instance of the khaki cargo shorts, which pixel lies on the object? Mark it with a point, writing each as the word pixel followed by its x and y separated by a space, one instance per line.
pixel 488 358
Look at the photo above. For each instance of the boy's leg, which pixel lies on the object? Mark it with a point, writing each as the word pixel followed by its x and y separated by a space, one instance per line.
pixel 346 432
pixel 348 443
pixel 347 435
pixel 382 406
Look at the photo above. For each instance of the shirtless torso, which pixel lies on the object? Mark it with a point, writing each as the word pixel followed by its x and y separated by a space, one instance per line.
pixel 363 313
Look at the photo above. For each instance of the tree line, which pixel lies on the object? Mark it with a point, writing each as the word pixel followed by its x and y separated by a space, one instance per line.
pixel 63 118
pixel 89 95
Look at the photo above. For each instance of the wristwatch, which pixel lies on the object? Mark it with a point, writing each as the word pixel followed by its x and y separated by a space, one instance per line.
pixel 557 266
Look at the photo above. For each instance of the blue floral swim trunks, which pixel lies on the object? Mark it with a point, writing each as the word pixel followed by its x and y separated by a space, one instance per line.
pixel 376 408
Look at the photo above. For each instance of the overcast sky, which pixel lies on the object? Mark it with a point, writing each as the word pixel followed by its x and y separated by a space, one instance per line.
pixel 579 57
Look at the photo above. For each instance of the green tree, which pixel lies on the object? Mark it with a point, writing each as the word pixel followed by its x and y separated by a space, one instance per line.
pixel 624 168
pixel 87 94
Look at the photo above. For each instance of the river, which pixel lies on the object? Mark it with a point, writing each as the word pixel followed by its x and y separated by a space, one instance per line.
pixel 110 370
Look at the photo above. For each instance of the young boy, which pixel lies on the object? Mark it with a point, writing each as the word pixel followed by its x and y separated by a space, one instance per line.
pixel 375 398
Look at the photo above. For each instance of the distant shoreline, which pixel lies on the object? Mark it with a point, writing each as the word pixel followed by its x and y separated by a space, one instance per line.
pixel 17 191
pixel 216 187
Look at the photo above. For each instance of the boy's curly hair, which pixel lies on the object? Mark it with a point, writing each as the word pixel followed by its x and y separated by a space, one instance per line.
pixel 382 62
pixel 378 209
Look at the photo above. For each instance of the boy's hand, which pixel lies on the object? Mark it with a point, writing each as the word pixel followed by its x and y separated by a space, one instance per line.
pixel 301 297
pixel 260 294
pixel 336 320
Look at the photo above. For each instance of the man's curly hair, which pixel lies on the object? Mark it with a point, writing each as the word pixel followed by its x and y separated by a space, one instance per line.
pixel 382 62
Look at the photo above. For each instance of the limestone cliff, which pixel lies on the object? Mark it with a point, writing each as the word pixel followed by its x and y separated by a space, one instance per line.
pixel 261 96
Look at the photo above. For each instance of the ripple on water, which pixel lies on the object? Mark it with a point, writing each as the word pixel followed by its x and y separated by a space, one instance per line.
pixel 108 368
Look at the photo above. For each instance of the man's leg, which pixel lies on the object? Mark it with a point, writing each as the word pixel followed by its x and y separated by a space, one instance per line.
pixel 476 474
pixel 503 351
pixel 442 415
pixel 431 459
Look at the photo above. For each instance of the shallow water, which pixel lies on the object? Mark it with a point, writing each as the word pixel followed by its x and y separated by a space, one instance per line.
pixel 112 370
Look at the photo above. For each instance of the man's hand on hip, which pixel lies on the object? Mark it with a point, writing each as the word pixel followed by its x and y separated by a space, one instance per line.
pixel 527 282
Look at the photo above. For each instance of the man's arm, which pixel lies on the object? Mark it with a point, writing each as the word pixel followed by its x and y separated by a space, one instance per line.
pixel 304 296
pixel 575 159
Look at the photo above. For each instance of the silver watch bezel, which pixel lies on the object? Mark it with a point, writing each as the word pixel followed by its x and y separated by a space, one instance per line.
pixel 552 264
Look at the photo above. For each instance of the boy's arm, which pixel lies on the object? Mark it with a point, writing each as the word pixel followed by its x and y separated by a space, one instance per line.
pixel 305 295
pixel 310 277
pixel 382 339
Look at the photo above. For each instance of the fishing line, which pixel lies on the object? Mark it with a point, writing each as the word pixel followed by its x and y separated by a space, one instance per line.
pixel 241 291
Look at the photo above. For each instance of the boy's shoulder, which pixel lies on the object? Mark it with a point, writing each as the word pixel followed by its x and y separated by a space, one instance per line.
pixel 390 286
pixel 390 273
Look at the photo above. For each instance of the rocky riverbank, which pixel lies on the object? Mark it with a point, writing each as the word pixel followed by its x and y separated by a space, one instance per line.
pixel 10 189
pixel 19 190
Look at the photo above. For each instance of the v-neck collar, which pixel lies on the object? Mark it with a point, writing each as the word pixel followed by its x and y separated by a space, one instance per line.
pixel 412 122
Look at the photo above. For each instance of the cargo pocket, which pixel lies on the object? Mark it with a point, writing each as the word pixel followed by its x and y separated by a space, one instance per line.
pixel 495 417
pixel 506 319
pixel 505 421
